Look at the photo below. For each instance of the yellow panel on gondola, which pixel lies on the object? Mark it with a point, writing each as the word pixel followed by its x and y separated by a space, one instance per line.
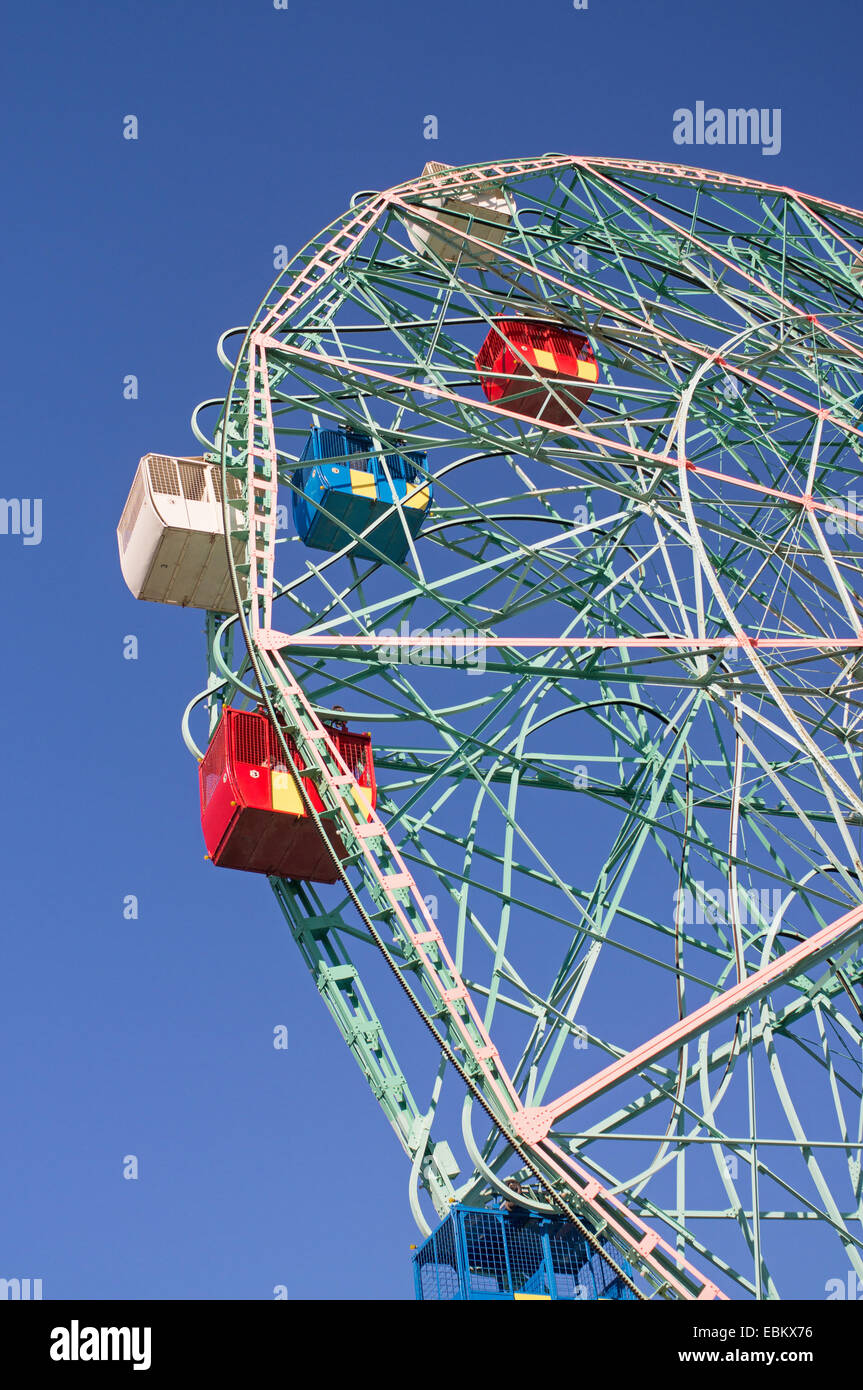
pixel 363 484
pixel 418 499
pixel 286 796
pixel 362 798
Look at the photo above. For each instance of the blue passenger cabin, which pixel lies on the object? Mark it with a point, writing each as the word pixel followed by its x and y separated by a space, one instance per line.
pixel 495 1254
pixel 350 482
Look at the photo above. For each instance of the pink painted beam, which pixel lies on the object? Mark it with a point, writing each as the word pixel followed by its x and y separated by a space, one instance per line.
pixel 272 641
pixel 612 446
pixel 647 1245
pixel 533 1123
pixel 688 171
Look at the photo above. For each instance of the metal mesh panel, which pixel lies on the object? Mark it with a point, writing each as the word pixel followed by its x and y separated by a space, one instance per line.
pixel 163 475
pixel 492 1254
pixel 213 764
pixel 570 344
pixel 437 1265
pixel 134 502
pixel 403 466
pixel 448 1284
pixel 570 1262
pixel 490 350
pixel 249 739
pixel 354 449
pixel 524 333
pixel 427 1273
pixel 413 464
pixel 193 480
pixel 335 444
pixel 607 1283
pixel 235 488
pixel 356 752
pixel 485 1243
pixel 276 752
pixel 526 1257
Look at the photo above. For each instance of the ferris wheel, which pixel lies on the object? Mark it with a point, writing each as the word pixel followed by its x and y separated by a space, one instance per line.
pixel 534 686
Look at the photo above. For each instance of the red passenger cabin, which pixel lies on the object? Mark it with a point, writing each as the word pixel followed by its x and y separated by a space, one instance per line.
pixel 519 350
pixel 252 813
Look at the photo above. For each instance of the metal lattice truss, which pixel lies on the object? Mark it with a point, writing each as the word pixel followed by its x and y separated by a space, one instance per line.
pixel 614 695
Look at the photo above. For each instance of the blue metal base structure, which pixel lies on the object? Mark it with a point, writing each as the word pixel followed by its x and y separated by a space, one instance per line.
pixel 350 483
pixel 494 1254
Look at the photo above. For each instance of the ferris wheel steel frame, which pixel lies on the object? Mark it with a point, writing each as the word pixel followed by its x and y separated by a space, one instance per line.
pixel 377 877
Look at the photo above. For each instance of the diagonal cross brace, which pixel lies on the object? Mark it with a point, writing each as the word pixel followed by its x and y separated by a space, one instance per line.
pixel 535 1122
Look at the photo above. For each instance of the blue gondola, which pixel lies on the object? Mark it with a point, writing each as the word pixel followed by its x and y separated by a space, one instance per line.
pixel 491 1254
pixel 357 493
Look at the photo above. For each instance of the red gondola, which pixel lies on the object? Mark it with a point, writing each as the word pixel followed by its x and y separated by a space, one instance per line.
pixel 526 348
pixel 252 813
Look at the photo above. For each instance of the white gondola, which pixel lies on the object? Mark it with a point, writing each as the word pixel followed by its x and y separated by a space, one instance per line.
pixel 171 534
pixel 453 212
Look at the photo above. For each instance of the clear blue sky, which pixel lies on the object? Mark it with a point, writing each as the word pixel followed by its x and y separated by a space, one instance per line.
pixel 153 1037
